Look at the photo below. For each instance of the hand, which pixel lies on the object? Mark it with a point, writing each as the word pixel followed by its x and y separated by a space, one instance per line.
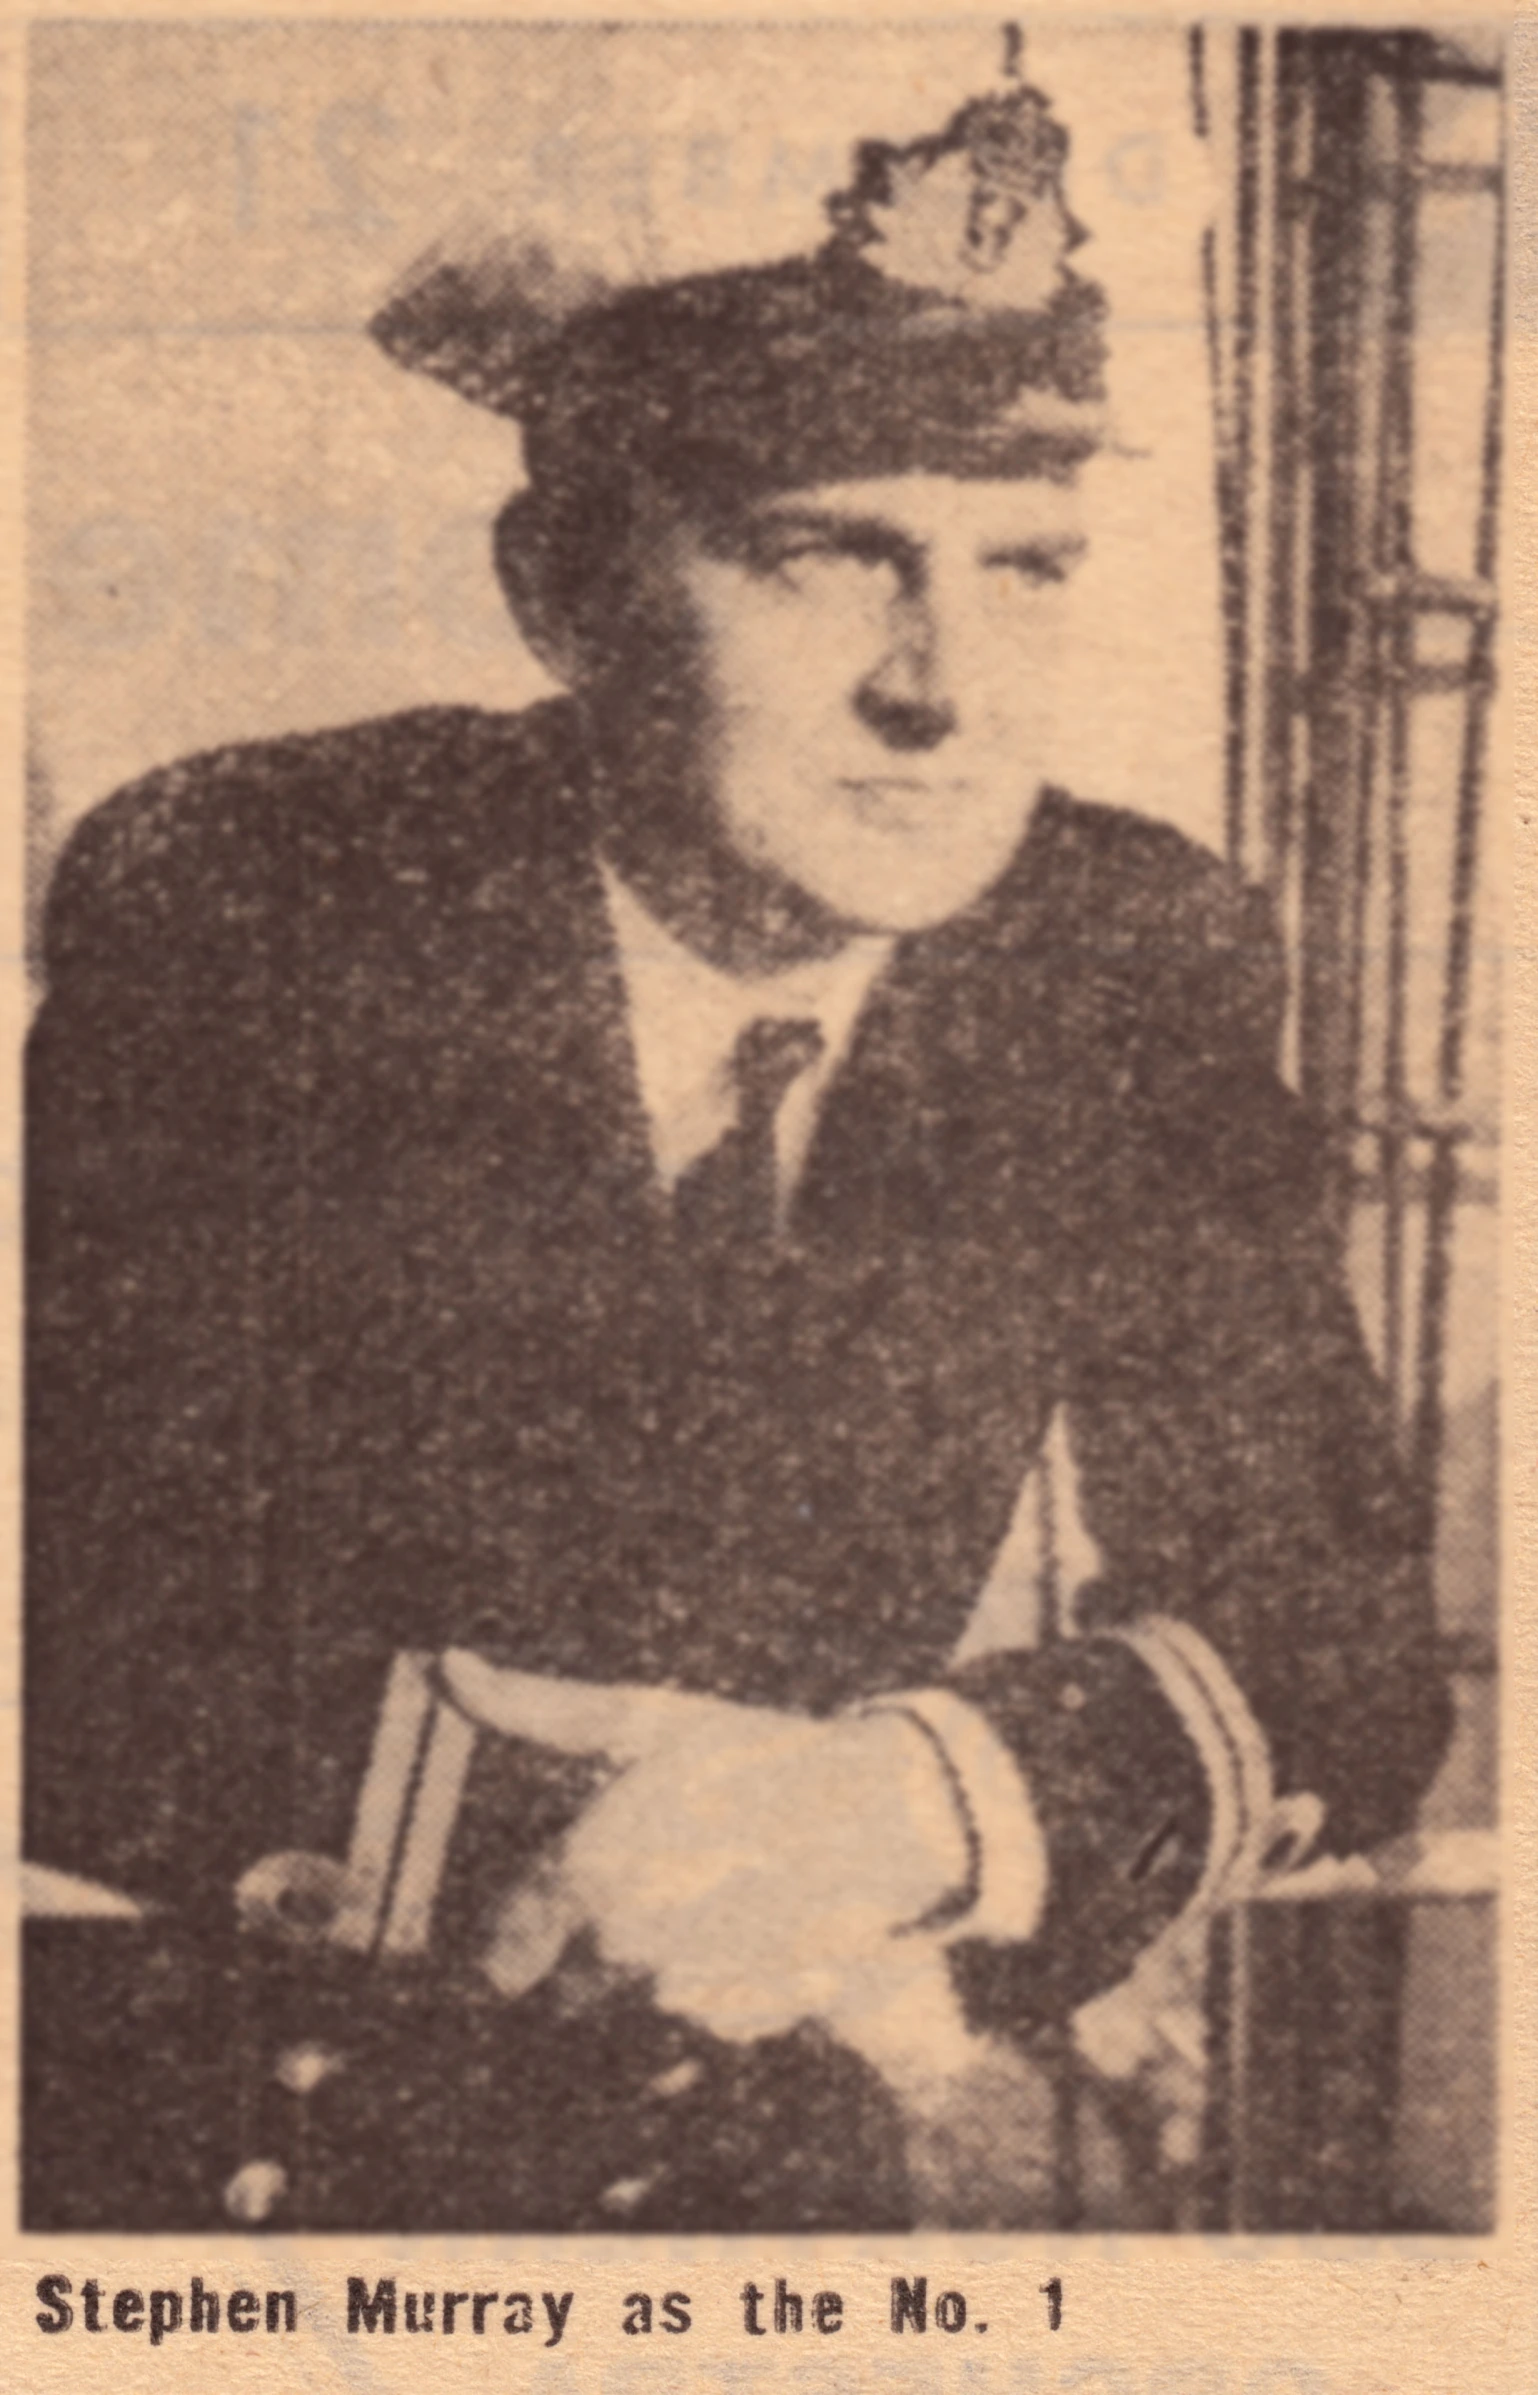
pixel 754 1863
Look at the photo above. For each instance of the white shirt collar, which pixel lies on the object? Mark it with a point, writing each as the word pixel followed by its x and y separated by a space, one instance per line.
pixel 685 1019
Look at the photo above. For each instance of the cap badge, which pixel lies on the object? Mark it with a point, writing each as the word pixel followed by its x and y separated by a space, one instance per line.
pixel 975 214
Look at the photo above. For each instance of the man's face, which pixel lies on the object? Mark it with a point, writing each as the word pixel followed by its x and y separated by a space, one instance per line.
pixel 873 665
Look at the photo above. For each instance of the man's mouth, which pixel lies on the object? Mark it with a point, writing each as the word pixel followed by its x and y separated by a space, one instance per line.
pixel 894 801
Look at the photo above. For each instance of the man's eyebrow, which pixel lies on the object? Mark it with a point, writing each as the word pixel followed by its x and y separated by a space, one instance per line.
pixel 1039 544
pixel 877 535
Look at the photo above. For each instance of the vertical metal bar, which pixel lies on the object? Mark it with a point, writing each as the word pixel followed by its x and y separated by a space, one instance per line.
pixel 1397 439
pixel 1376 665
pixel 1436 1285
pixel 1284 463
pixel 1476 722
pixel 1291 486
pixel 1238 545
pixel 1442 1191
pixel 1254 853
pixel 1230 535
pixel 1338 68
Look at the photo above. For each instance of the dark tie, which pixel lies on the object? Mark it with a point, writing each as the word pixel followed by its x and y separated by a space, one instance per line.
pixel 726 1198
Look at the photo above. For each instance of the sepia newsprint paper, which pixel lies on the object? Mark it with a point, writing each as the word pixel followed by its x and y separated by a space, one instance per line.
pixel 765 912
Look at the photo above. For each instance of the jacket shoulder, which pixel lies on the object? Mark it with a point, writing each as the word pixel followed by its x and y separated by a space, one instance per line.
pixel 1140 882
pixel 1162 919
pixel 214 838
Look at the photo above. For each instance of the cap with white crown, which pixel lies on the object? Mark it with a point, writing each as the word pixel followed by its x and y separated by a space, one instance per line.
pixel 940 326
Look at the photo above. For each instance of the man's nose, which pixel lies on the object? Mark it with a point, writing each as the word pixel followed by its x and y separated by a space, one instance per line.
pixel 905 699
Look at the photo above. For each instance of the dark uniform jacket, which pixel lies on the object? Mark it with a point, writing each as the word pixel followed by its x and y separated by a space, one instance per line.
pixel 357 1325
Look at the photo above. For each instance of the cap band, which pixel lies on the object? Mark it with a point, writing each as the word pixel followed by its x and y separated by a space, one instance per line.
pixel 940 327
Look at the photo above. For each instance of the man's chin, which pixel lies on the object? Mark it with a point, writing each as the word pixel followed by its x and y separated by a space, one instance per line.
pixel 883 874
pixel 906 896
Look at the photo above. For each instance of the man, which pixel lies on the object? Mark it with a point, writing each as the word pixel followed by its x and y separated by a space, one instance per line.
pixel 669 1205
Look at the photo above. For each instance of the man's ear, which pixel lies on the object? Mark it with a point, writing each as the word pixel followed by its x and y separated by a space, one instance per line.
pixel 536 589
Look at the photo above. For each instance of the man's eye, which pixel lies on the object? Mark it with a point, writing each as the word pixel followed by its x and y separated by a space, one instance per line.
pixel 809 556
pixel 802 552
pixel 829 573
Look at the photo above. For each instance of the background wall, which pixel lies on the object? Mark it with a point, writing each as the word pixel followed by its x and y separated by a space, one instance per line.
pixel 245 520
